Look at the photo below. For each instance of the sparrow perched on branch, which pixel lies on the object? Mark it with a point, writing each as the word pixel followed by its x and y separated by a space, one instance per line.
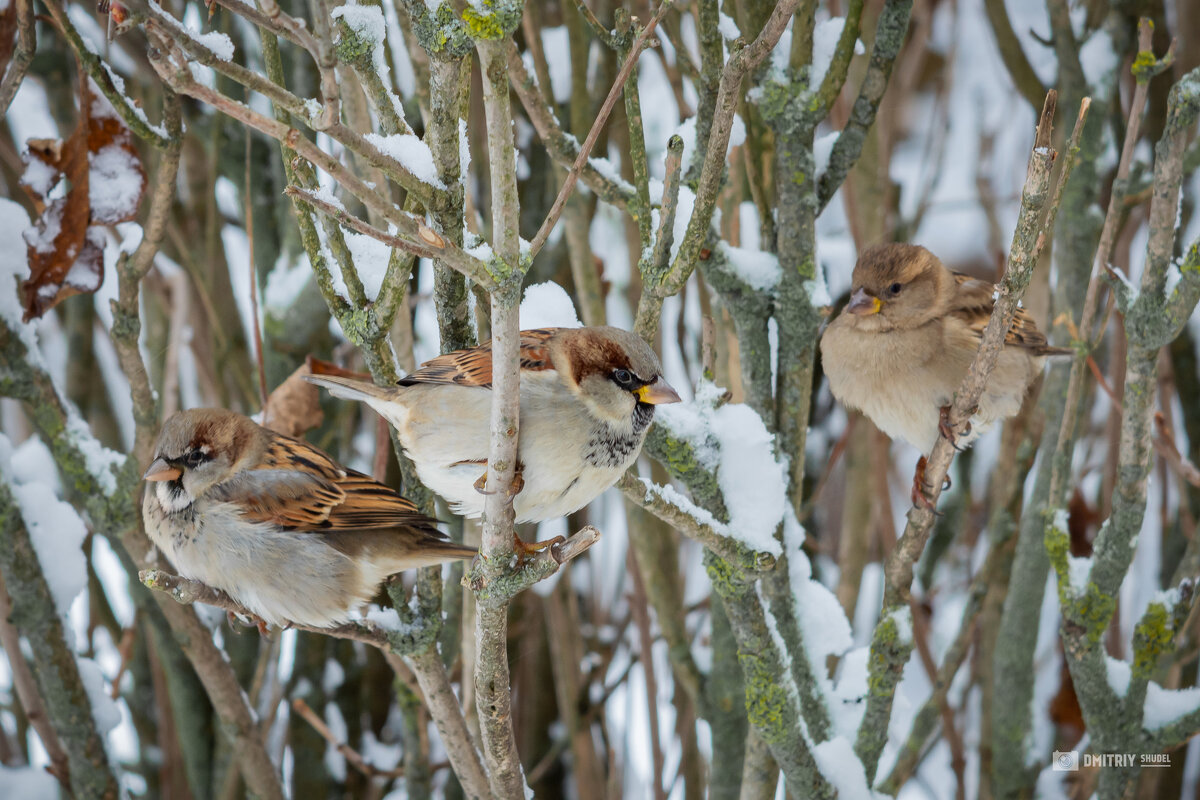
pixel 903 345
pixel 587 399
pixel 277 524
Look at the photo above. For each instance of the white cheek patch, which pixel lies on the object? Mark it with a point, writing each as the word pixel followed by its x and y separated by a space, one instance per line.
pixel 172 496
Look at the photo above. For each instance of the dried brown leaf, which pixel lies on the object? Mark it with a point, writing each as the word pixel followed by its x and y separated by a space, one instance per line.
pixel 295 405
pixel 105 182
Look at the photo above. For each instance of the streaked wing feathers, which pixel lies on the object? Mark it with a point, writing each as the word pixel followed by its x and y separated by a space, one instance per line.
pixel 473 367
pixel 300 488
pixel 973 305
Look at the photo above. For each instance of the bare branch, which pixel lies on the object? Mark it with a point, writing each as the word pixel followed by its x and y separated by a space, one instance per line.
pixel 589 142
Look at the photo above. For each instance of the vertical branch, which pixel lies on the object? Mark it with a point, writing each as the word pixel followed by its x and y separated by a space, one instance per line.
pixel 58 679
pixel 889 36
pixel 451 725
pixel 24 683
pixel 1076 252
pixel 640 211
pixel 447 78
pixel 492 682
pixel 22 57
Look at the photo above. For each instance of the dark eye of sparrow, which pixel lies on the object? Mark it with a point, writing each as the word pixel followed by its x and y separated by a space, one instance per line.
pixel 195 458
pixel 623 378
pixel 895 288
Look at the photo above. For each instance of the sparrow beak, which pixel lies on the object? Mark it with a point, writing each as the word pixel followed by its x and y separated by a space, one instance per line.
pixel 160 470
pixel 862 303
pixel 657 393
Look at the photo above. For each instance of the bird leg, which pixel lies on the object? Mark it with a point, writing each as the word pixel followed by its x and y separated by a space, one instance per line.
pixel 918 496
pixel 947 430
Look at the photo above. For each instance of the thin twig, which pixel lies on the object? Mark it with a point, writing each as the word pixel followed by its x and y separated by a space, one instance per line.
pixel 27 692
pixel 352 756
pixel 22 57
pixel 425 242
pixel 1108 233
pixel 258 337
pixel 601 118
pixel 1164 443
pixel 562 147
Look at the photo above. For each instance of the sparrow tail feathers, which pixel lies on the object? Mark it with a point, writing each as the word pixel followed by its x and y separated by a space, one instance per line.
pixel 351 389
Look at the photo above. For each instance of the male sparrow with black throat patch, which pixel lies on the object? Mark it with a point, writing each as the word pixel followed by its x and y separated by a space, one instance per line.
pixel 903 345
pixel 277 524
pixel 587 399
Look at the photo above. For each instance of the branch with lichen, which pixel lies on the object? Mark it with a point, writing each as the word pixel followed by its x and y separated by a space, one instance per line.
pixel 1063 397
pixel 688 520
pixel 712 170
pixel 1088 591
pixel 768 640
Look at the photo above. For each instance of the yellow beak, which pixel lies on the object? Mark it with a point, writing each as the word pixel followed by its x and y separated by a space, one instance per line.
pixel 160 470
pixel 863 304
pixel 657 393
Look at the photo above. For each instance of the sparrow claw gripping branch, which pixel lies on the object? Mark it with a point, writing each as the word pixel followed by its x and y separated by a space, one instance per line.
pixel 947 430
pixel 527 550
pixel 918 496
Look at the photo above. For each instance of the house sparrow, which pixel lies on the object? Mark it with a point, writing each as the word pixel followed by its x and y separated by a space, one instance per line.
pixel 903 345
pixel 277 524
pixel 587 399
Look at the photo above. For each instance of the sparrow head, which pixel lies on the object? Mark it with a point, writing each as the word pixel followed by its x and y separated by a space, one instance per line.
pixel 614 372
pixel 196 450
pixel 897 286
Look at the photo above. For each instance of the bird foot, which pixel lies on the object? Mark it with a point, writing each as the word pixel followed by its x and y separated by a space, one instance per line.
pixel 517 485
pixel 248 620
pixel 947 430
pixel 527 550
pixel 919 498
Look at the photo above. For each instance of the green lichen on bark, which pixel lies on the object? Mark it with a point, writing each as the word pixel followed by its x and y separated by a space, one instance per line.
pixel 767 705
pixel 1089 610
pixel 492 20
pixel 679 457
pixel 353 45
pixel 1151 638
pixel 441 33
pixel 889 653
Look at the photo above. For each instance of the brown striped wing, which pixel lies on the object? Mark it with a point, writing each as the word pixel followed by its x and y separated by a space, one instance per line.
pixel 300 488
pixel 473 367
pixel 973 305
